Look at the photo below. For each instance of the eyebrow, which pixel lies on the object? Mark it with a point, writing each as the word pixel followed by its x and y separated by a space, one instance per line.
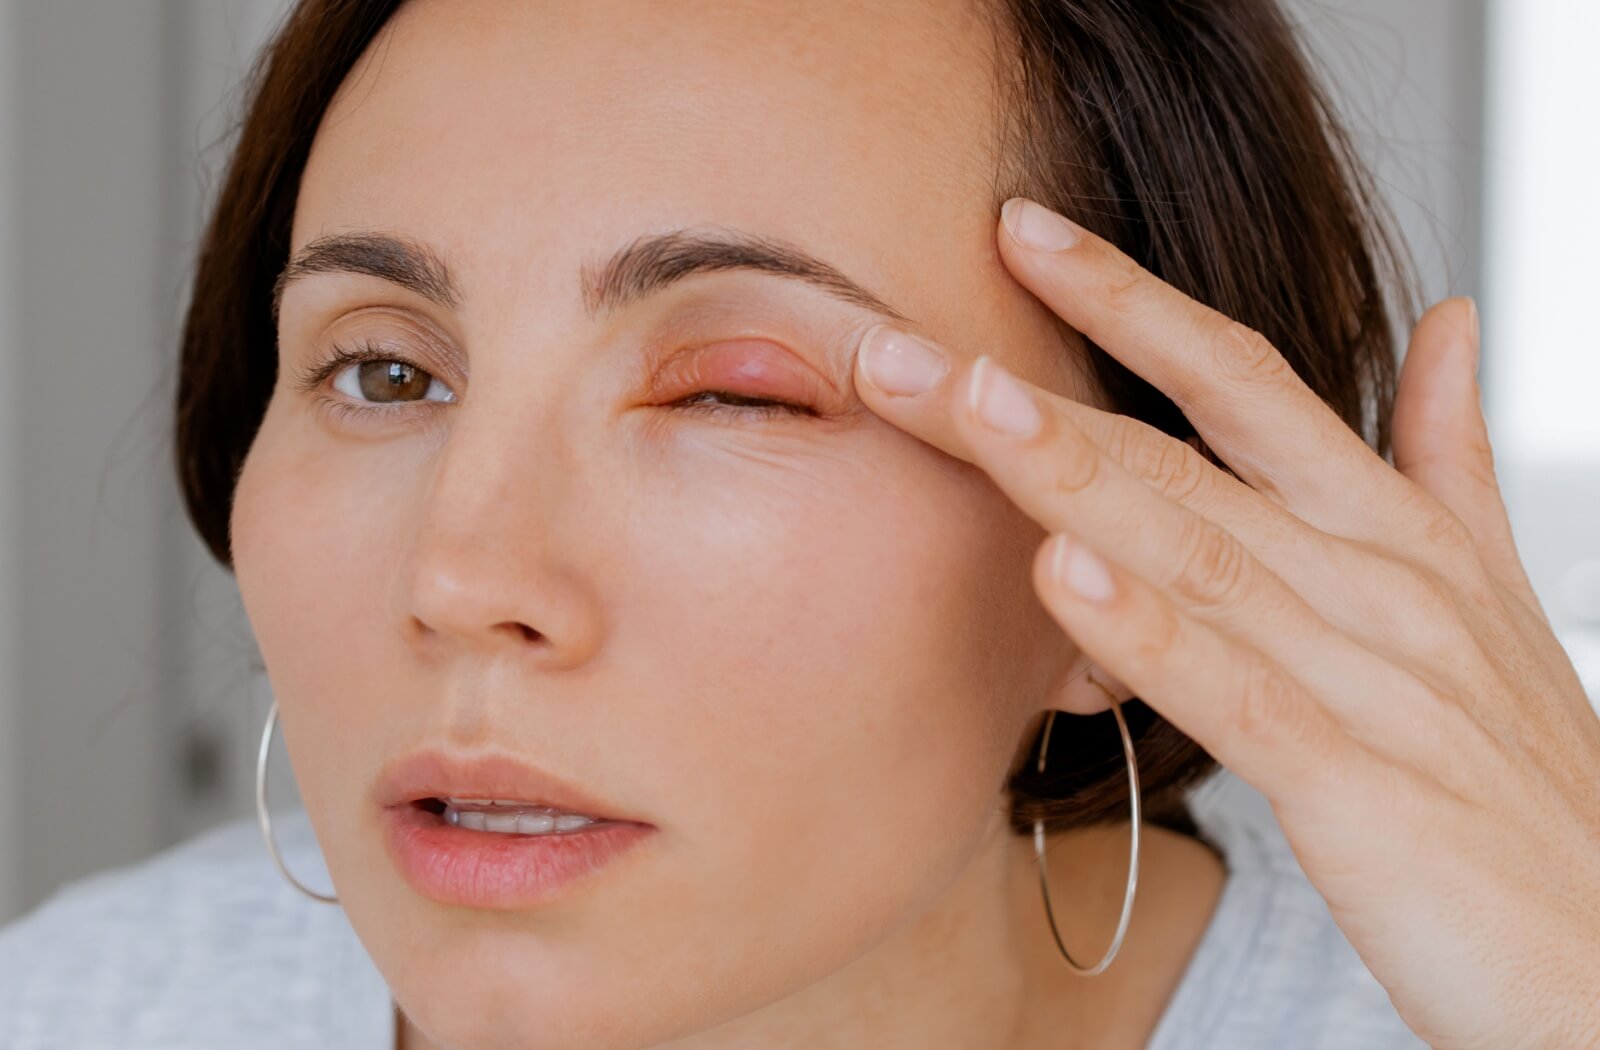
pixel 644 266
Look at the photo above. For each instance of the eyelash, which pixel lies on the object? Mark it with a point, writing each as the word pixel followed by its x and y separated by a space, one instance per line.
pixel 739 405
pixel 341 357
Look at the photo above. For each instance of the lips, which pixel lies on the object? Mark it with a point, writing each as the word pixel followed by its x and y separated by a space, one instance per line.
pixel 433 774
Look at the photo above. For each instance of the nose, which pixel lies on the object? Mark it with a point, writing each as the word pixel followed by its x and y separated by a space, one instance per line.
pixel 490 569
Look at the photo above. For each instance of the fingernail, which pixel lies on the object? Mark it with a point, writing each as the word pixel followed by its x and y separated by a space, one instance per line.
pixel 897 362
pixel 1035 226
pixel 1001 401
pixel 1080 570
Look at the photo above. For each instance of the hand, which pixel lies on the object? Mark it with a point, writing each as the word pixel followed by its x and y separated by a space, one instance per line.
pixel 1357 640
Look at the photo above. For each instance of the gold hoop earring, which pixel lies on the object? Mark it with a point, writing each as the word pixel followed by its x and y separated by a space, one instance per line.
pixel 1133 851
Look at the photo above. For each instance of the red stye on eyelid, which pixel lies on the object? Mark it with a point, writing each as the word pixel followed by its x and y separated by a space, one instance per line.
pixel 750 367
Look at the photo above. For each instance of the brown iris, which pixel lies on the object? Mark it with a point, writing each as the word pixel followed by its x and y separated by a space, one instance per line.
pixel 392 381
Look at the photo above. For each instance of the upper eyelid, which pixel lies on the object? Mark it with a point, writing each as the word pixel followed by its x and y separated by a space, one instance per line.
pixel 410 334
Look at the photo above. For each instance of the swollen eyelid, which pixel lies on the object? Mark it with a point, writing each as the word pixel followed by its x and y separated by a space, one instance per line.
pixel 753 370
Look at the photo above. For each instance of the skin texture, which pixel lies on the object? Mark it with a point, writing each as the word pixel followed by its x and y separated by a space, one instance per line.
pixel 806 647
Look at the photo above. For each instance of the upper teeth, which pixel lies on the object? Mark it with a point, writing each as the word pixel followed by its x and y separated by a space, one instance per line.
pixel 521 818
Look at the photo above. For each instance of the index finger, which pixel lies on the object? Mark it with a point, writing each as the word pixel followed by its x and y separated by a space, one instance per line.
pixel 1235 387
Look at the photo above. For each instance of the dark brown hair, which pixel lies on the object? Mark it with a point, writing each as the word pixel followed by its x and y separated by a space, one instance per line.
pixel 1191 133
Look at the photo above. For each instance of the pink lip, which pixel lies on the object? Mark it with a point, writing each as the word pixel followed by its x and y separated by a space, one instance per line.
pixel 485 869
pixel 482 869
pixel 435 774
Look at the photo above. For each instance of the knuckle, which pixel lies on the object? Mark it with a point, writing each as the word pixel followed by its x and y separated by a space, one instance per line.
pixel 1480 457
pixel 1480 468
pixel 1428 615
pixel 1162 636
pixel 1125 283
pixel 1244 353
pixel 1420 590
pixel 1077 467
pixel 1266 705
pixel 1180 472
pixel 1446 543
pixel 1443 528
pixel 1213 566
pixel 1124 443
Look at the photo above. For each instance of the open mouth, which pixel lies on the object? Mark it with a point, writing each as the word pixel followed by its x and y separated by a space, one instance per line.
pixel 499 853
pixel 505 818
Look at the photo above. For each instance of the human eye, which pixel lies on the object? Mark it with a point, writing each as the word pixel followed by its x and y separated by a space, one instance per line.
pixel 367 376
pixel 723 403
pixel 745 378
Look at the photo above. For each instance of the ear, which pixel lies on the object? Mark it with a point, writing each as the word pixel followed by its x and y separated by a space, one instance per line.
pixel 1080 692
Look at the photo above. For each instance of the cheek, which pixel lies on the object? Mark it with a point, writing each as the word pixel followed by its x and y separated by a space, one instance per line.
pixel 849 605
pixel 836 654
pixel 311 546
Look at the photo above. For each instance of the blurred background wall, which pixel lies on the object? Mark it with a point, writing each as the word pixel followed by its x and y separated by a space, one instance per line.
pixel 131 698
pixel 128 682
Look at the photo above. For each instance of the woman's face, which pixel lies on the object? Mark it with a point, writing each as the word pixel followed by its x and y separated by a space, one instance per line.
pixel 802 645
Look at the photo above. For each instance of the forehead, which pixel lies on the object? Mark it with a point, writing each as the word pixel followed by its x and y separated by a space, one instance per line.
pixel 511 134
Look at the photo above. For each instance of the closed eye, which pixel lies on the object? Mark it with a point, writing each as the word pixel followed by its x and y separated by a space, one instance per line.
pixel 723 402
